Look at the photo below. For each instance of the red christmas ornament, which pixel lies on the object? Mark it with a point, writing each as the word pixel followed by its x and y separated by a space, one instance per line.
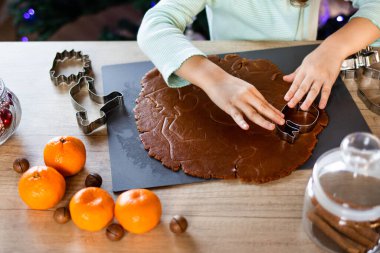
pixel 6 117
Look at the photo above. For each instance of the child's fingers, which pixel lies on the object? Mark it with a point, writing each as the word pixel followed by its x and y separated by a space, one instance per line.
pixel 325 94
pixel 257 93
pixel 313 93
pixel 238 118
pixel 290 77
pixel 264 108
pixel 276 111
pixel 257 100
pixel 294 87
pixel 301 91
pixel 255 117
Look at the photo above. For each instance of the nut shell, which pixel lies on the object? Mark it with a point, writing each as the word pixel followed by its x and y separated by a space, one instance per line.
pixel 20 165
pixel 178 224
pixel 93 180
pixel 115 232
pixel 62 215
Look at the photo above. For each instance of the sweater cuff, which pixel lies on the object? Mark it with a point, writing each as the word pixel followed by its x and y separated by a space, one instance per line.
pixel 178 59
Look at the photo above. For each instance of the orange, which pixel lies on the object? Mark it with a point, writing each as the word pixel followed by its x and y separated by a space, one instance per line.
pixel 41 187
pixel 92 208
pixel 66 154
pixel 138 210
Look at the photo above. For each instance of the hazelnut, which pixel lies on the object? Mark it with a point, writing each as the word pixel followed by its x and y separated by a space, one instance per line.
pixel 178 224
pixel 114 232
pixel 93 180
pixel 21 165
pixel 62 215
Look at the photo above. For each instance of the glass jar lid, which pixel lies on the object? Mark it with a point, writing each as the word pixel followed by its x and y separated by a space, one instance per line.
pixel 347 179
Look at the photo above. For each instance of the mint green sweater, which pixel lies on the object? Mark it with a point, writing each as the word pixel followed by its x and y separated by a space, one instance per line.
pixel 161 32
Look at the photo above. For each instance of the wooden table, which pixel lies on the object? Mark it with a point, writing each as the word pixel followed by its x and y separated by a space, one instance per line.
pixel 224 216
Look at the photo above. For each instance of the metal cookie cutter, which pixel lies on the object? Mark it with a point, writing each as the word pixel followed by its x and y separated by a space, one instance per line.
pixel 364 58
pixel 369 89
pixel 291 130
pixel 83 79
pixel 67 55
pixel 110 101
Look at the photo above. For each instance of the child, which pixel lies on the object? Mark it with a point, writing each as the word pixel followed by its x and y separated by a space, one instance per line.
pixel 161 38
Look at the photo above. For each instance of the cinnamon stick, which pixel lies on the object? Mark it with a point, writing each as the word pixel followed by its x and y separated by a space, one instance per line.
pixel 364 229
pixel 375 224
pixel 350 232
pixel 368 232
pixel 346 244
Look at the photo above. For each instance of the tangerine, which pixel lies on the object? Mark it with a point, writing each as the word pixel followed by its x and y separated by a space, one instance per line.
pixel 138 210
pixel 41 187
pixel 67 154
pixel 92 208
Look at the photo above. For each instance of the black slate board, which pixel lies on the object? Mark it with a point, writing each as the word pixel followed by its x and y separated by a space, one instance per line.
pixel 133 168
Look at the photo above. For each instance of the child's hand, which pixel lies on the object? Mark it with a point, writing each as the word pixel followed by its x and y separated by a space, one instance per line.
pixel 237 98
pixel 317 72
pixel 231 94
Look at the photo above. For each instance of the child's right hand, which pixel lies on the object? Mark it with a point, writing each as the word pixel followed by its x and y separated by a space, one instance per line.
pixel 238 98
pixel 233 95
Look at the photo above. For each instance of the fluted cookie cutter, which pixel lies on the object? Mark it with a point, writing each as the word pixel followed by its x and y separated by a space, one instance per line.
pixel 70 55
pixel 369 89
pixel 83 80
pixel 291 130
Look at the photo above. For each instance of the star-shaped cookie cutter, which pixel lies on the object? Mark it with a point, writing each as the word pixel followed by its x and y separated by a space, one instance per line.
pixel 291 130
pixel 83 80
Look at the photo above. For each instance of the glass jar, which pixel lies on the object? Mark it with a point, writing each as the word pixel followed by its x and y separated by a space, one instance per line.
pixel 10 112
pixel 341 210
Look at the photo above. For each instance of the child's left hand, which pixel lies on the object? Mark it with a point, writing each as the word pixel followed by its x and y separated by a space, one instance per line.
pixel 317 73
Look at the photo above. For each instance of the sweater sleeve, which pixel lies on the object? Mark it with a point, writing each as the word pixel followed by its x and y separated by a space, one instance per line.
pixel 161 36
pixel 369 9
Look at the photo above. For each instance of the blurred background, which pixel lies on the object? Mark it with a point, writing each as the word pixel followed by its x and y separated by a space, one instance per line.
pixel 64 20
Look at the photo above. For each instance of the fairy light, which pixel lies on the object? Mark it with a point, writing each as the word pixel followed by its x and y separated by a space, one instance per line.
pixel 29 14
pixel 26 16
